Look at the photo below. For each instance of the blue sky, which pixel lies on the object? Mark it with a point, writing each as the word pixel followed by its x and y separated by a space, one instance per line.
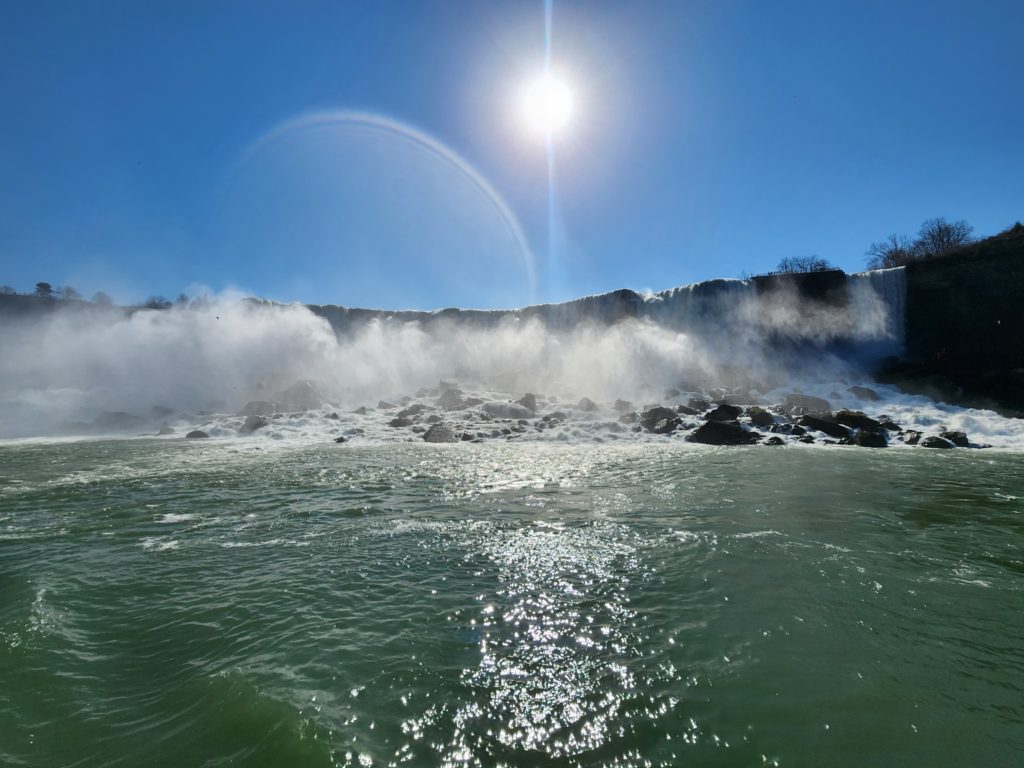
pixel 374 154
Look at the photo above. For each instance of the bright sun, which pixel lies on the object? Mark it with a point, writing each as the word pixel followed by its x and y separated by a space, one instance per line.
pixel 547 105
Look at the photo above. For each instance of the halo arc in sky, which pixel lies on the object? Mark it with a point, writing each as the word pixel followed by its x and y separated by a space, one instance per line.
pixel 327 119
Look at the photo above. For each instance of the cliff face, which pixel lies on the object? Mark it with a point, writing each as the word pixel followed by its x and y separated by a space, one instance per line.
pixel 965 323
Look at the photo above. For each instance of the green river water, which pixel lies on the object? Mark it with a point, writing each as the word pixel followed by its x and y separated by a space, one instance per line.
pixel 207 603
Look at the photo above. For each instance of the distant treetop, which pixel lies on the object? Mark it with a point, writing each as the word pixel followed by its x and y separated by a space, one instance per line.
pixel 792 264
pixel 934 238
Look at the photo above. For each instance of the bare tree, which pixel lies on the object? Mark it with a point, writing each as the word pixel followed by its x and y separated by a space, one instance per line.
pixel 102 299
pixel 804 264
pixel 182 300
pixel 158 302
pixel 7 290
pixel 44 289
pixel 937 236
pixel 67 292
pixel 894 251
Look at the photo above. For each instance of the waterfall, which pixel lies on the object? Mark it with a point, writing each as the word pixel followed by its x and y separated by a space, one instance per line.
pixel 887 287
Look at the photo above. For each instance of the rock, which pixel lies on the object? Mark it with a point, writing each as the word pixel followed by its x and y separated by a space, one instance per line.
pixel 857 420
pixel 722 433
pixel 451 400
pixel 252 423
pixel 586 404
pixel 889 424
pixel 911 437
pixel 361 410
pixel 622 406
pixel 446 386
pixel 630 418
pixel 264 408
pixel 864 393
pixel 933 441
pixel 797 403
pixel 506 410
pixel 698 404
pixel 806 439
pixel 384 405
pixel 412 410
pixel 529 400
pixel 341 439
pixel 959 439
pixel 401 421
pixel 196 433
pixel 724 412
pixel 333 416
pixel 665 426
pixel 418 429
pixel 823 422
pixel 649 419
pixel 759 417
pixel 472 402
pixel 686 410
pixel 440 433
pixel 304 395
pixel 165 431
pixel 867 438
pixel 467 436
pixel 774 440
pixel 671 392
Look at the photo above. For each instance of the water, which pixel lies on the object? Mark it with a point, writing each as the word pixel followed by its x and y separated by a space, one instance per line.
pixel 272 604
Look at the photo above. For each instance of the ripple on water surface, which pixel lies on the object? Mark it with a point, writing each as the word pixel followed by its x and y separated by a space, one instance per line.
pixel 509 605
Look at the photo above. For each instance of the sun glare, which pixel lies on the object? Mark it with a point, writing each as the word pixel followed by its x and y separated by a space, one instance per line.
pixel 547 105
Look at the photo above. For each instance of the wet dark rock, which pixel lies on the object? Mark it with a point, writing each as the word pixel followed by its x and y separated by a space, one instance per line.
pixel 529 400
pixel 724 412
pixel 959 439
pixel 824 422
pixel 797 403
pixel 666 426
pixel 555 416
pixel 361 410
pixel 857 420
pixel 384 405
pixel 649 419
pixel 632 417
pixel 886 423
pixel 869 439
pixel 586 404
pixel 418 429
pixel 622 406
pixel 467 436
pixel 472 402
pixel 252 423
pixel 806 439
pixel 698 404
pixel 686 410
pixel 507 410
pixel 412 410
pixel 440 433
pixel 759 417
pixel 196 433
pixel 911 437
pixel 774 440
pixel 341 439
pixel 433 419
pixel 865 393
pixel 400 421
pixel 451 400
pixel 788 429
pixel 722 433
pixel 333 416
pixel 934 441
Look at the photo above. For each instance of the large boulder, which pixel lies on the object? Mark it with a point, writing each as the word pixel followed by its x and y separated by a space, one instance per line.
pixel 412 410
pixel 759 417
pixel 857 420
pixel 698 404
pixel 529 400
pixel 384 405
pixel 623 406
pixel 586 404
pixel 724 412
pixel 934 441
pixel 797 403
pixel 865 393
pixel 911 437
pixel 252 423
pixel 451 400
pixel 650 418
pixel 823 422
pixel 264 408
pixel 196 433
pixel 440 433
pixel 500 410
pixel 869 439
pixel 304 395
pixel 959 439
pixel 722 433
pixel 400 421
